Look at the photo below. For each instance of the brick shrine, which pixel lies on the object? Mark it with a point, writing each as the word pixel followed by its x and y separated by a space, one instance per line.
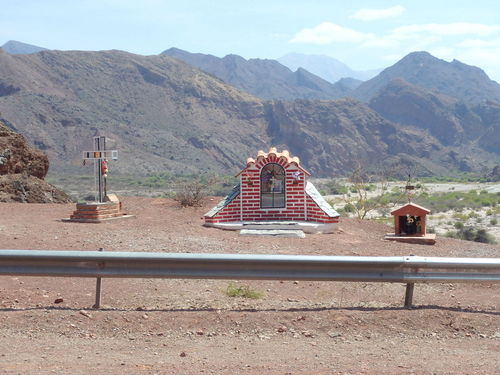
pixel 274 188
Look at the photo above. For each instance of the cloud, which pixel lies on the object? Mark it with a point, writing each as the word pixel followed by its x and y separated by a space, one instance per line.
pixel 366 14
pixel 428 36
pixel 445 29
pixel 445 53
pixel 327 32
pixel 480 43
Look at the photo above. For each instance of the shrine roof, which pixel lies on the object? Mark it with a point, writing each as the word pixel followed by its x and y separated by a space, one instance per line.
pixel 224 202
pixel 410 208
pixel 273 153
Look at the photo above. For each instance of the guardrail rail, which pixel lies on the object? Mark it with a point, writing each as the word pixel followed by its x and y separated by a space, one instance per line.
pixel 396 269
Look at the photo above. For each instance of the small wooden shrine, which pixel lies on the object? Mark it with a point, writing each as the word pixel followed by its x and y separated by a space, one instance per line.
pixel 274 193
pixel 410 225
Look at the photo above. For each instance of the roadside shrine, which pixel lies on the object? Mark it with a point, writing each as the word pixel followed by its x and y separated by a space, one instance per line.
pixel 273 195
pixel 410 225
pixel 106 206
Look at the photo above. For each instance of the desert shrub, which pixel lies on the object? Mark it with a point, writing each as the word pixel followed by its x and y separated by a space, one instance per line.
pixel 371 187
pixel 191 195
pixel 457 201
pixel 348 208
pixel 193 192
pixel 459 216
pixel 472 234
pixel 493 221
pixel 244 291
pixel 458 225
pixel 483 236
pixel 336 188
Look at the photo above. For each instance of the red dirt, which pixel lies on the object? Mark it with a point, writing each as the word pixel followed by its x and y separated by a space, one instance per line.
pixel 192 327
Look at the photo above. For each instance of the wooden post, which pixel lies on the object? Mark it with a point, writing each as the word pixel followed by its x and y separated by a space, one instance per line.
pixel 409 295
pixel 98 289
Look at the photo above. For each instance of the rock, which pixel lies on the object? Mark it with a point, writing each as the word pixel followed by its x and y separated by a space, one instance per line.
pixel 282 329
pixel 22 171
pixel 307 334
pixel 85 313
pixel 58 300
pixel 200 332
pixel 334 334
pixel 17 156
pixel 183 354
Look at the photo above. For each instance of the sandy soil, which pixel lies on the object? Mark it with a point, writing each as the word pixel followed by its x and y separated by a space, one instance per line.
pixel 192 327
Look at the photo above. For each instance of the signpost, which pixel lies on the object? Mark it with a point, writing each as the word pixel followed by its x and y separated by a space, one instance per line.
pixel 100 157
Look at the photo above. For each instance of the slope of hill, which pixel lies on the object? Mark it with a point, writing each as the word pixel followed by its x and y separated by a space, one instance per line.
pixel 326 67
pixel 160 113
pixel 14 47
pixel 449 120
pixel 470 129
pixel 334 136
pixel 455 79
pixel 266 79
pixel 166 116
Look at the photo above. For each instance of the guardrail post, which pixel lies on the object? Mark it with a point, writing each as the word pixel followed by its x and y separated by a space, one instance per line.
pixel 98 289
pixel 409 295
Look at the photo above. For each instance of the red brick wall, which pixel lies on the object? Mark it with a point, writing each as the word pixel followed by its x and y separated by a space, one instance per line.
pixel 314 213
pixel 294 209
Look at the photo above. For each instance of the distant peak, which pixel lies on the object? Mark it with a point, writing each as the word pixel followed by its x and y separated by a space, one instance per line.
pixel 14 47
pixel 419 56
pixel 174 51
pixel 233 57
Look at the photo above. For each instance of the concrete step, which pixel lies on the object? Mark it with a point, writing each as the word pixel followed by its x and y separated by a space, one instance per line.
pixel 286 233
pixel 272 225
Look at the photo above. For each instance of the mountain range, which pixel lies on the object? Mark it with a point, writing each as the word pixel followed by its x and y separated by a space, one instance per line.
pixel 266 79
pixel 164 114
pixel 326 67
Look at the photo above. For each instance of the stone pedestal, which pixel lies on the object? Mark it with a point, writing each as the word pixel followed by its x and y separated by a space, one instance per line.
pixel 95 212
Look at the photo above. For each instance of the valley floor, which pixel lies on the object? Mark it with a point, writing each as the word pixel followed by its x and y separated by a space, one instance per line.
pixel 192 327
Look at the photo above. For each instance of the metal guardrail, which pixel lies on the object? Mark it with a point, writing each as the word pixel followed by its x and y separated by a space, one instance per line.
pixel 403 269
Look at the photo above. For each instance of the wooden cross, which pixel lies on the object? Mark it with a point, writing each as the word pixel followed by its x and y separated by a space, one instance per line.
pixel 100 157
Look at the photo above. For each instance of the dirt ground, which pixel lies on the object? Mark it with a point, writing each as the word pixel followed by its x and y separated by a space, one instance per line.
pixel 192 327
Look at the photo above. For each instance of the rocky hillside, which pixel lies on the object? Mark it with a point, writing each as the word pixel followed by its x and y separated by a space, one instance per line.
pixel 455 79
pixel 22 170
pixel 469 129
pixel 266 79
pixel 164 115
pixel 446 118
pixel 334 136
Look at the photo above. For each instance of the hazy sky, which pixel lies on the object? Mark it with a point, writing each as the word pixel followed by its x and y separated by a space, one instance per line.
pixel 363 34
